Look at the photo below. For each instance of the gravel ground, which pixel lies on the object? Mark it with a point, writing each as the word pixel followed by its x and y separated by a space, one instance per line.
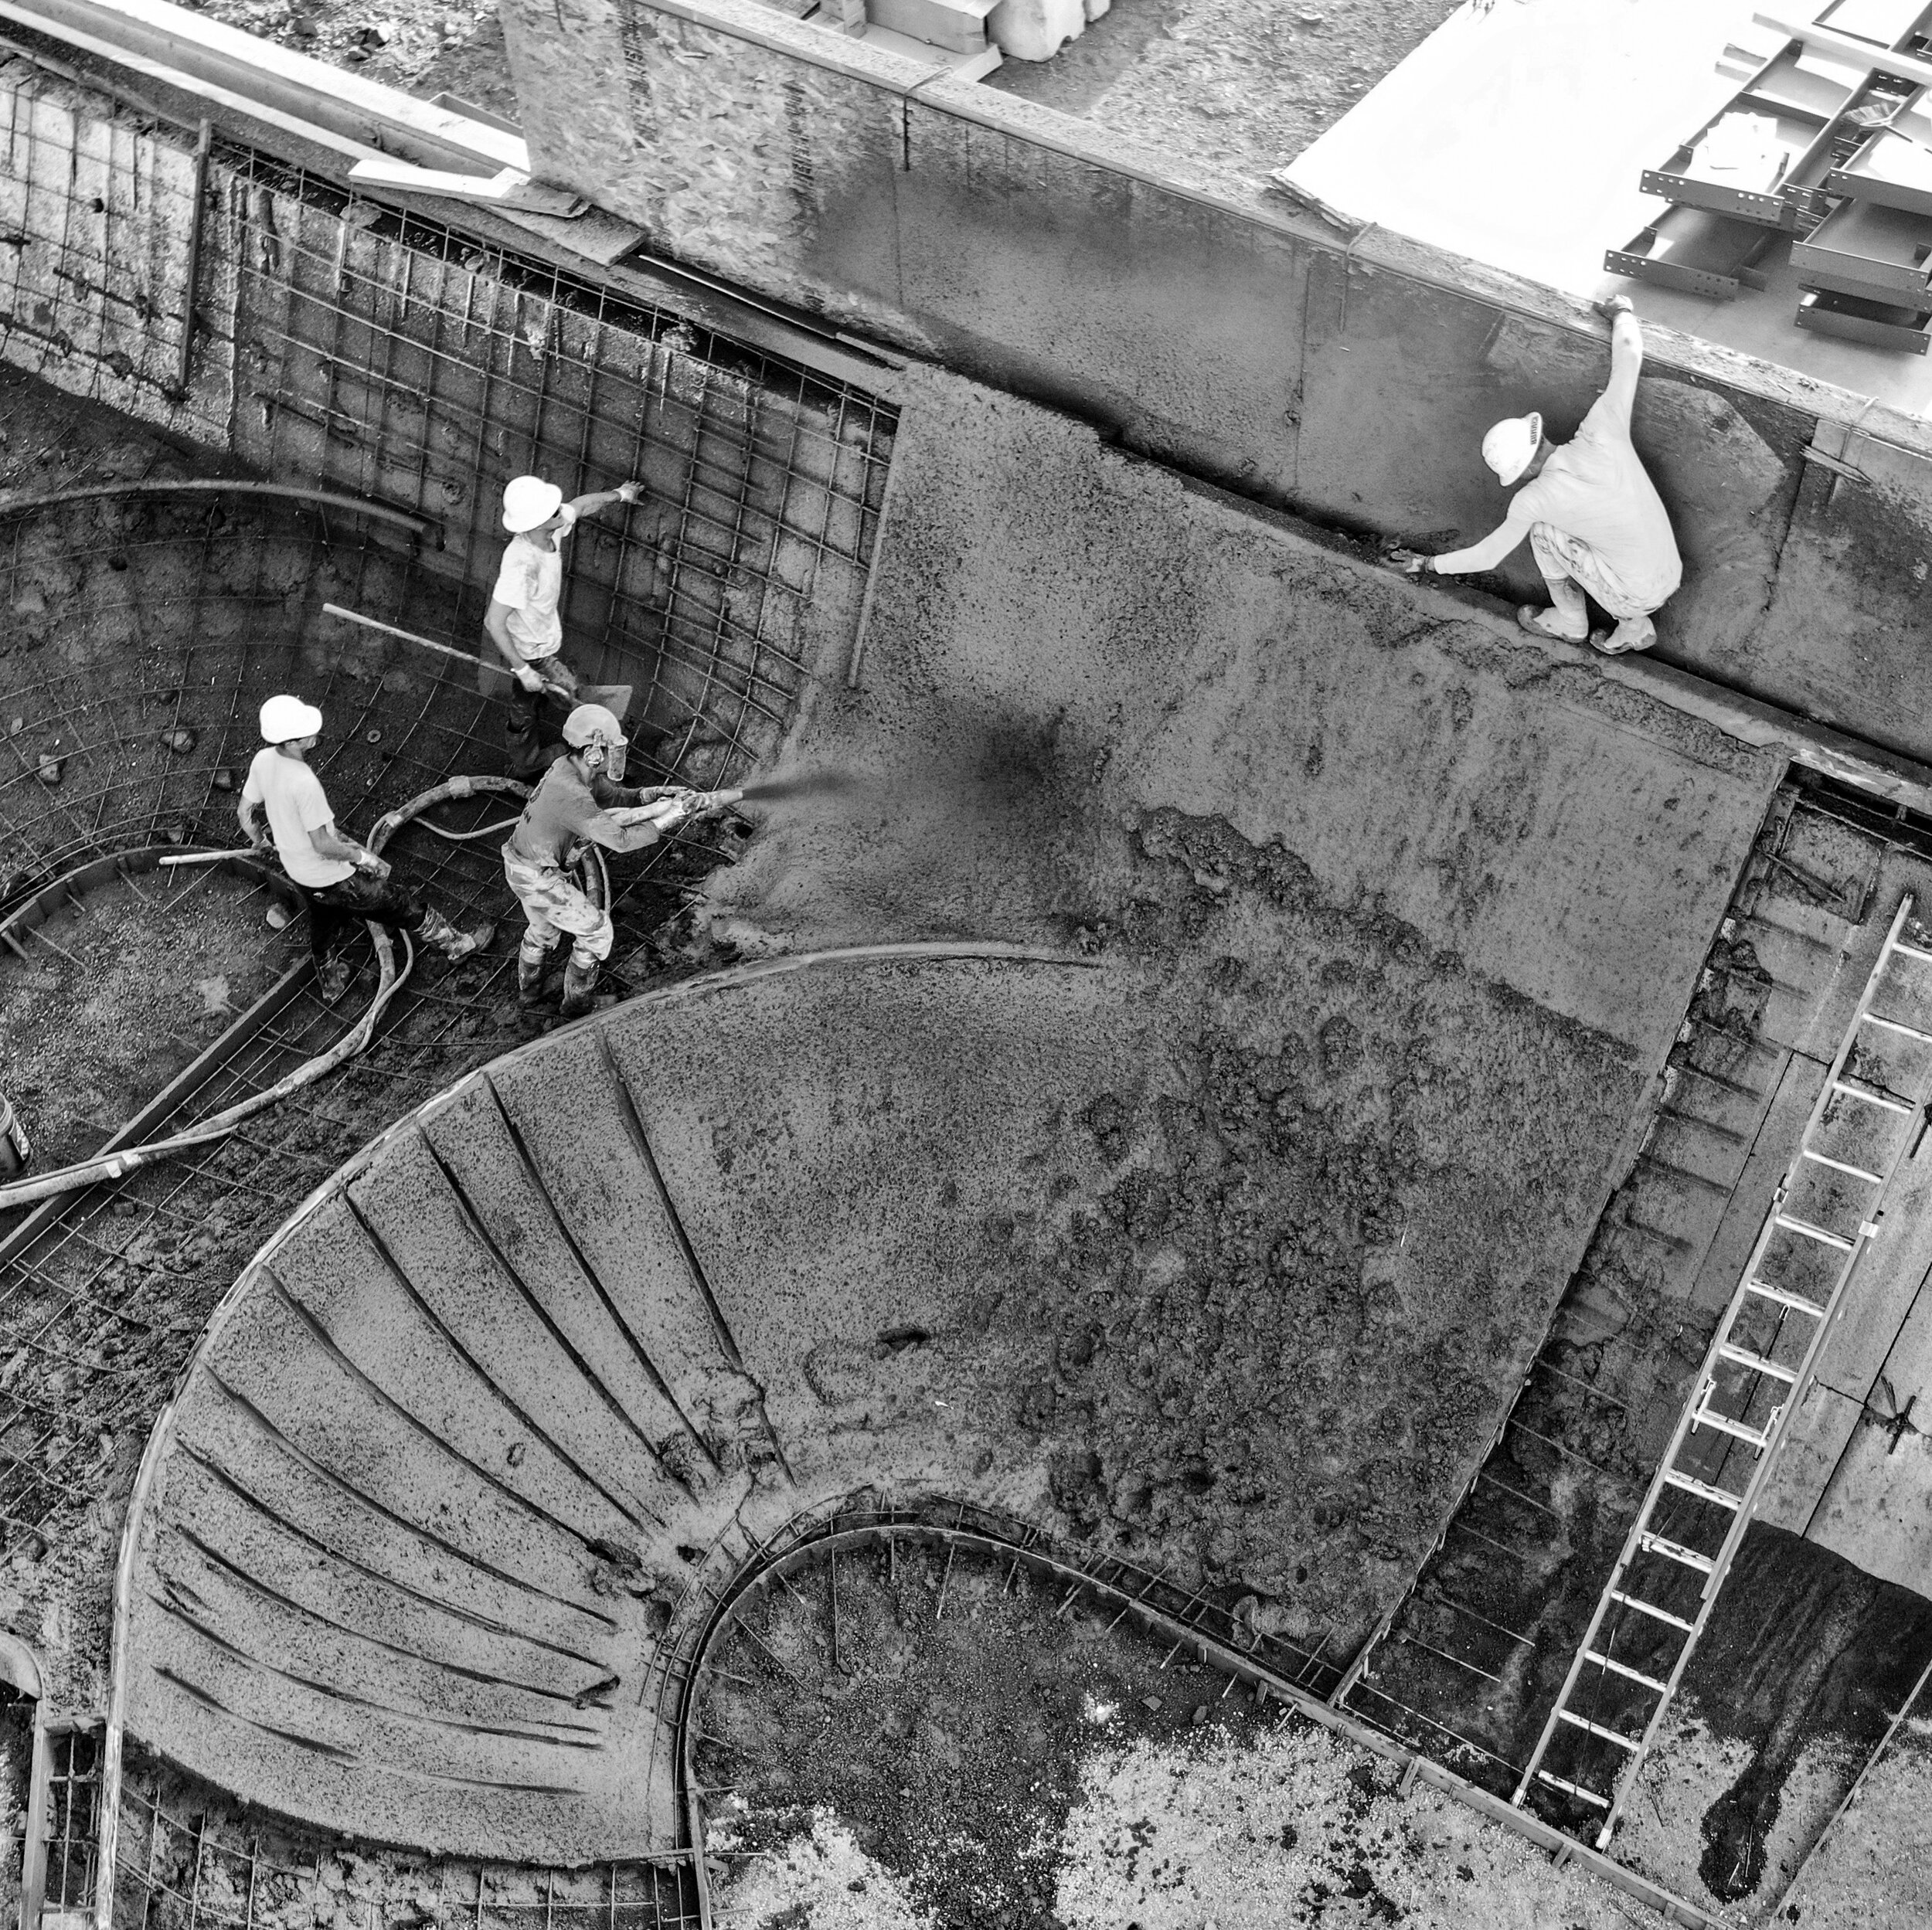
pixel 123 990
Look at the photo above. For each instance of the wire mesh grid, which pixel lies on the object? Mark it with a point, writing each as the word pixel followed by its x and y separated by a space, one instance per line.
pixel 150 628
pixel 189 1857
pixel 337 340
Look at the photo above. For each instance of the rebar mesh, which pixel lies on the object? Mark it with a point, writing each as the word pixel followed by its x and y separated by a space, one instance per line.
pixel 190 1859
pixel 143 618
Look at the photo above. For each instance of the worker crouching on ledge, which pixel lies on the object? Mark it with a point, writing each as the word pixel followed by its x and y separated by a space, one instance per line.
pixel 1593 516
pixel 342 880
pixel 582 800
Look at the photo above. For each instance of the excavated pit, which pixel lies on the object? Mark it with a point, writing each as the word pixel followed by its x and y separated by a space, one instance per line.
pixel 1271 1113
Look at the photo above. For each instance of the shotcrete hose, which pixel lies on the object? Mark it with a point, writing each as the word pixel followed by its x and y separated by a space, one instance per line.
pixel 123 1160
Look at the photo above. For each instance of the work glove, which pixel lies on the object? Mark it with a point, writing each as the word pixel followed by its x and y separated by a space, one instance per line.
pixel 527 678
pixel 630 491
pixel 1411 562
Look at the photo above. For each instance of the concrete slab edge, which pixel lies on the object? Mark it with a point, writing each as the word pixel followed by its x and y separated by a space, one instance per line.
pixel 1747 719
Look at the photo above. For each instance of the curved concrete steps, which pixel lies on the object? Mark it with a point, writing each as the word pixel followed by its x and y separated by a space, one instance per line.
pixel 438 1476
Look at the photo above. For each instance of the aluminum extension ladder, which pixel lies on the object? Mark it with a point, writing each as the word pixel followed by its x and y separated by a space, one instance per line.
pixel 1756 1370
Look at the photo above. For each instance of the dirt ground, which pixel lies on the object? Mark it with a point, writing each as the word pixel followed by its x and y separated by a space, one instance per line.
pixel 971 1755
pixel 124 988
pixel 1224 88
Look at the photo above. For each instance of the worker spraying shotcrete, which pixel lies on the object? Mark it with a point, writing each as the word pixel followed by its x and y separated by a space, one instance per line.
pixel 342 880
pixel 582 799
pixel 1593 516
pixel 522 620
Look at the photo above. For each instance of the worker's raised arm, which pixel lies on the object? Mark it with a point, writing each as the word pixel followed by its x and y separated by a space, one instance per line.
pixel 603 498
pixel 1626 354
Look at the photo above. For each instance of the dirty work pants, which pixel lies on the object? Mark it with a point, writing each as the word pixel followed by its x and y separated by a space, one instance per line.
pixel 1570 566
pixel 553 905
pixel 332 907
pixel 522 734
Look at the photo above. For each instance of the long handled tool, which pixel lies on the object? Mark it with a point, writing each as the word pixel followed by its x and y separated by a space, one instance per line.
pixel 615 698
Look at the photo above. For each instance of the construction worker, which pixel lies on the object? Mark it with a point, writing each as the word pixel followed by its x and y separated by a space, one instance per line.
pixel 581 800
pixel 1594 520
pixel 522 620
pixel 342 880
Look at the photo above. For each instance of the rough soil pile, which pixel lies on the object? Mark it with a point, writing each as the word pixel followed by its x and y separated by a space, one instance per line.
pixel 1008 1763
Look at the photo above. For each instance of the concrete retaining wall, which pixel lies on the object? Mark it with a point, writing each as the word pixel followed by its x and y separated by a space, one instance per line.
pixel 1348 377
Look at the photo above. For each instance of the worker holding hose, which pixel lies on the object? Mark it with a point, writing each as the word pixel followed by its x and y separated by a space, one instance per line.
pixel 522 620
pixel 582 799
pixel 342 880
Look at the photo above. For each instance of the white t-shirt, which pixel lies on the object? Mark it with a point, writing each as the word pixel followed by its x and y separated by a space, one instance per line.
pixel 292 796
pixel 530 583
pixel 1595 488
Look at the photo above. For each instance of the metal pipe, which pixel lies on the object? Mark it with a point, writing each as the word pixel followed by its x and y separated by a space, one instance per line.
pixel 207 486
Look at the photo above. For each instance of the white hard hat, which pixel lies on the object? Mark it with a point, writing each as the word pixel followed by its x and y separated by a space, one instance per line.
pixel 285 717
pixel 1510 447
pixel 589 723
pixel 528 501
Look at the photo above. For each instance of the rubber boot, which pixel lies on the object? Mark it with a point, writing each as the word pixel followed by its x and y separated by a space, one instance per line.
pixel 436 930
pixel 531 969
pixel 579 983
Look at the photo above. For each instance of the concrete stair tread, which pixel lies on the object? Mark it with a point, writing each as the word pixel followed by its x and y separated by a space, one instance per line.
pixel 314 1644
pixel 332 1416
pixel 316 1505
pixel 472 1139
pixel 364 1317
pixel 278 1692
pixel 454 1271
pixel 402 1615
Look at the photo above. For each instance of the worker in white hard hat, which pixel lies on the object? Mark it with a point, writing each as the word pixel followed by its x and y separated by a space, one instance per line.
pixel 1595 523
pixel 582 799
pixel 522 620
pixel 342 880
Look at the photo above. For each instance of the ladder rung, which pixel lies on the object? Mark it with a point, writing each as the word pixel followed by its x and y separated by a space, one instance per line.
pixel 1838 1165
pixel 1805 1230
pixel 1721 1497
pixel 1597 1728
pixel 1676 1551
pixel 1623 1669
pixel 1575 1789
pixel 1652 1610
pixel 1764 1290
pixel 1912 951
pixel 1893 1025
pixel 1873 1098
pixel 1756 1363
pixel 1703 1416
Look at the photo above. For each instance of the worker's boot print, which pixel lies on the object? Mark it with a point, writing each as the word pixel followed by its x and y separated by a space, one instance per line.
pixel 579 983
pixel 533 963
pixel 436 930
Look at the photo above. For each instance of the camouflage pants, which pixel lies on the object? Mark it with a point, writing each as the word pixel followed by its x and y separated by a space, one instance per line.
pixel 553 905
